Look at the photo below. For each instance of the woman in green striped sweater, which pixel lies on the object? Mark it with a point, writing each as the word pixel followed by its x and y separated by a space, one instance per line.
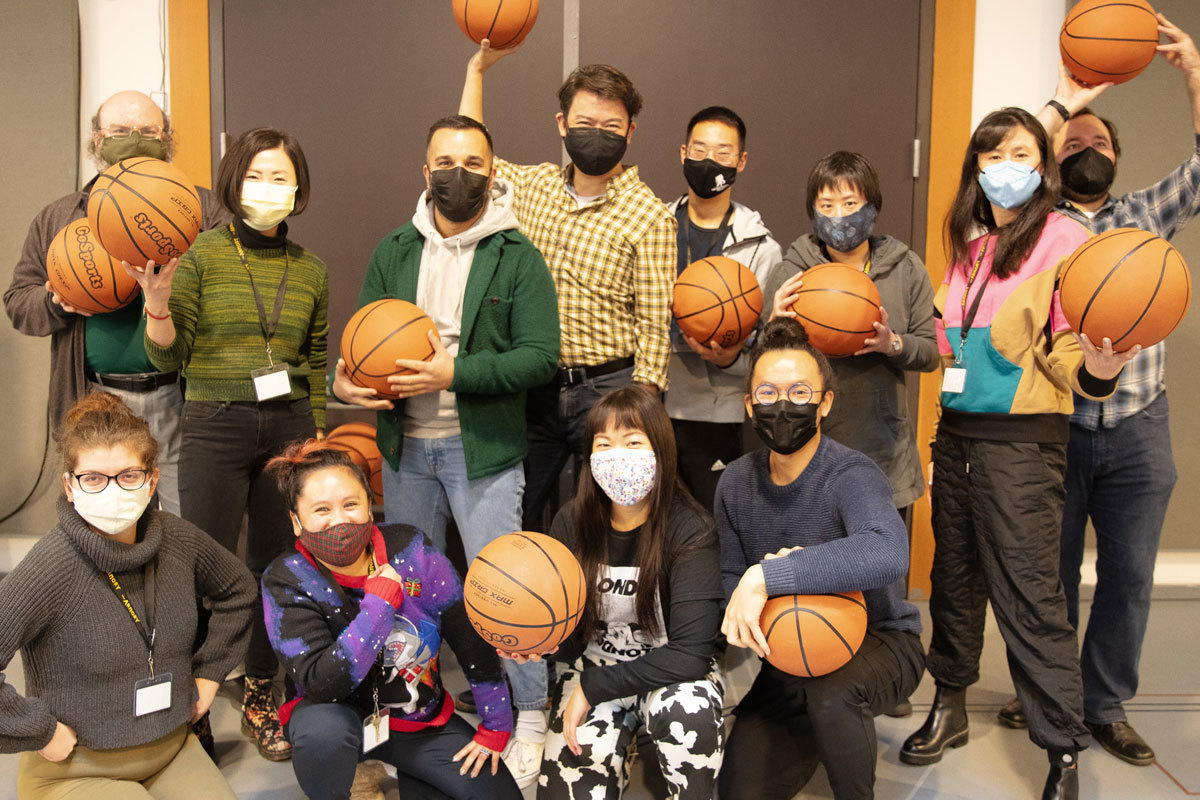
pixel 243 315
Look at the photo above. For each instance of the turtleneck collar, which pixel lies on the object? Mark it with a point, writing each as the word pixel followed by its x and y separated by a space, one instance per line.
pixel 255 240
pixel 106 553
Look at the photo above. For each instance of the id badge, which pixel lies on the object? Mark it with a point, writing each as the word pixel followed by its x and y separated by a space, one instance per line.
pixel 271 382
pixel 375 730
pixel 152 694
pixel 954 380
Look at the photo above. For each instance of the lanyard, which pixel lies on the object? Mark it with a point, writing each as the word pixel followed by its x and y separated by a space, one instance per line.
pixel 867 266
pixel 969 315
pixel 684 241
pixel 145 626
pixel 268 328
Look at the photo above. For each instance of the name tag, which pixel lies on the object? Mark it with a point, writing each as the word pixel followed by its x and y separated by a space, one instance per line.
pixel 271 382
pixel 152 694
pixel 954 380
pixel 375 730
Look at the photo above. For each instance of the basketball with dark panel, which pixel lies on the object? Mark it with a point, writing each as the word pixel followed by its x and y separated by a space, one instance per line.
pixel 377 335
pixel 813 634
pixel 504 23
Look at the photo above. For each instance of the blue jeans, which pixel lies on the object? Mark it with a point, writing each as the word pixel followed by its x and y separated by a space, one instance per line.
pixel 432 484
pixel 1122 478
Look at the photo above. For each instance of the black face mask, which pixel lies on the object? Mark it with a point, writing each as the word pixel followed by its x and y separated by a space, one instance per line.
pixel 594 151
pixel 1087 175
pixel 458 193
pixel 708 178
pixel 784 426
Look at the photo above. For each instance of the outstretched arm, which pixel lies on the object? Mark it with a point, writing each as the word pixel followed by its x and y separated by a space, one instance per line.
pixel 1180 52
pixel 1071 95
pixel 471 102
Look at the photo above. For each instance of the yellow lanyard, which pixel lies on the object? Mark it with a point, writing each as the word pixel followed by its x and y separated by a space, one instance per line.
pixel 867 266
pixel 974 272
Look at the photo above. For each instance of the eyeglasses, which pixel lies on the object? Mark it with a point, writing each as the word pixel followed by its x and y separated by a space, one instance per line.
pixel 799 393
pixel 724 155
pixel 127 479
pixel 146 131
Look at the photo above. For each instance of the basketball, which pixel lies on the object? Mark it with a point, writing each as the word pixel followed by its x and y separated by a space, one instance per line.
pixel 838 306
pixel 358 440
pixel 377 335
pixel 143 209
pixel 83 275
pixel 1105 41
pixel 524 593
pixel 504 23
pixel 717 298
pixel 813 634
pixel 1126 284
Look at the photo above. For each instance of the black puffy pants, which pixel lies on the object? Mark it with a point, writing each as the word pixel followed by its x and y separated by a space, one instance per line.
pixel 997 523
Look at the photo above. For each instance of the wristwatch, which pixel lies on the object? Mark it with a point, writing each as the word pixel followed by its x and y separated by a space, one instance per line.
pixel 896 343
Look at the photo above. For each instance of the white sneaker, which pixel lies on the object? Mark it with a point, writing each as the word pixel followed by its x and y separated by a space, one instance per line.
pixel 367 777
pixel 523 757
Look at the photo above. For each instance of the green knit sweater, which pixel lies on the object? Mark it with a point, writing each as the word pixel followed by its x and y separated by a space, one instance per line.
pixel 218 339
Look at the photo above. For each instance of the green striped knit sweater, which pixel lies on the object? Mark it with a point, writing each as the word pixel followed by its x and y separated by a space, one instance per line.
pixel 218 339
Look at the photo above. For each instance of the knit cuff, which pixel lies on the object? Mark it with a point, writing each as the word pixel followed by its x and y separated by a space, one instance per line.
pixel 1098 388
pixel 495 741
pixel 778 576
pixel 385 588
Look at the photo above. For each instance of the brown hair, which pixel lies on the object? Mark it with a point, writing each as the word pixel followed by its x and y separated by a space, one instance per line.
pixel 298 460
pixel 168 138
pixel 232 170
pixel 603 81
pixel 1107 123
pixel 101 419
pixel 842 166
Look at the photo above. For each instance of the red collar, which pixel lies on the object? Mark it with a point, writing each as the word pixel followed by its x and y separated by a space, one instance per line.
pixel 350 581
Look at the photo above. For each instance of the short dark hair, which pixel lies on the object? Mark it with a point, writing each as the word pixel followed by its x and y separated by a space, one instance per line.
pixel 298 460
pixel 242 151
pixel 842 166
pixel 460 122
pixel 723 115
pixel 785 333
pixel 604 81
pixel 1108 123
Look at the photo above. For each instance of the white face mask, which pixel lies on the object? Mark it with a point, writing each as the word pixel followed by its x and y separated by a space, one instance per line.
pixel 266 204
pixel 625 474
pixel 114 509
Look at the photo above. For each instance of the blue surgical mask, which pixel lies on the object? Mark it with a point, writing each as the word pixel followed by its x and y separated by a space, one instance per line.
pixel 845 233
pixel 1009 185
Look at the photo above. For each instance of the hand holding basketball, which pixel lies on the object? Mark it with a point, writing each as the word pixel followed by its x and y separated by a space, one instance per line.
pixel 721 356
pixel 486 55
pixel 1074 95
pixel 155 281
pixel 741 624
pixel 786 295
pixel 64 305
pixel 423 376
pixel 881 342
pixel 1180 52
pixel 1102 362
pixel 524 658
pixel 349 392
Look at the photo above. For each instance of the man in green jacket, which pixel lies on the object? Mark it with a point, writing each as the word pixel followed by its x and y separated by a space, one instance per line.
pixel 454 441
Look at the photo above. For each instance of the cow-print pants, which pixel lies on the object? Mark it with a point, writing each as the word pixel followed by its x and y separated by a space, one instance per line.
pixel 684 721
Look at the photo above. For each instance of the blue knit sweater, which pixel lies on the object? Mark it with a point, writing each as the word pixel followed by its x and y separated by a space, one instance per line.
pixel 839 510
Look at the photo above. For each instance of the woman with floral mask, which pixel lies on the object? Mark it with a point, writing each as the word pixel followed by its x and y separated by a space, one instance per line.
pixel 357 614
pixel 1011 363
pixel 103 610
pixel 644 649
pixel 244 316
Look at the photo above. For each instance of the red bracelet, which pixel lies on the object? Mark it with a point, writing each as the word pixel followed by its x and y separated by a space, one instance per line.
pixel 155 316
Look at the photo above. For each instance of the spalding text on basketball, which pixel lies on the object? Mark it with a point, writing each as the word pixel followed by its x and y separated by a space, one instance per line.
pixel 86 248
pixel 166 246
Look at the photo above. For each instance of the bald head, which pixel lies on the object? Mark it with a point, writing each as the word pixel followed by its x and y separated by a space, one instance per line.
pixel 127 111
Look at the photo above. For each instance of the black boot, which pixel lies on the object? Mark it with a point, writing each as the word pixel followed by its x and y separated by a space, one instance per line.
pixel 946 726
pixel 1063 781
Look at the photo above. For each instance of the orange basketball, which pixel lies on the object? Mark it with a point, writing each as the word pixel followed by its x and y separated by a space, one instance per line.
pixel 85 276
pixel 1126 284
pixel 505 23
pixel 358 440
pixel 524 593
pixel 813 634
pixel 717 298
pixel 1107 40
pixel 838 306
pixel 143 209
pixel 377 335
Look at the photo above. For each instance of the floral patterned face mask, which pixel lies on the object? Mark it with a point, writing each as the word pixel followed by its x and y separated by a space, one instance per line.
pixel 626 475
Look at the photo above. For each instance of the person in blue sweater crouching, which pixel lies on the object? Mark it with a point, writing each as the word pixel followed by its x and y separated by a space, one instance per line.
pixel 806 515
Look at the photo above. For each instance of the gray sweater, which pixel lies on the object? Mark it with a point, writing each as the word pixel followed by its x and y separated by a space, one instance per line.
pixel 80 648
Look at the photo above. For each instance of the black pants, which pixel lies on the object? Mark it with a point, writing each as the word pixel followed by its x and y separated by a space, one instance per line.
pixel 997 519
pixel 327 746
pixel 700 446
pixel 225 447
pixel 786 725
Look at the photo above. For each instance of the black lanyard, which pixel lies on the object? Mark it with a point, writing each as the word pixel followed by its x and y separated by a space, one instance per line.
pixel 969 314
pixel 268 328
pixel 144 625
pixel 684 241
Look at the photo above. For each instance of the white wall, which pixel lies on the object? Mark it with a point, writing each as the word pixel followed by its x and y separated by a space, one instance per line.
pixel 1016 54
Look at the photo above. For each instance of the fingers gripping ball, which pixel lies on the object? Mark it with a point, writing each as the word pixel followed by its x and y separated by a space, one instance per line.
pixel 143 209
pixel 83 274
pixel 1104 41
pixel 838 305
pixel 813 634
pixel 358 440
pixel 504 23
pixel 717 298
pixel 377 335
pixel 524 593
pixel 1126 284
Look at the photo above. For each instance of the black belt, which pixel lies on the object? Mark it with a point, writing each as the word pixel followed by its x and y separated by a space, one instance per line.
pixel 140 382
pixel 572 375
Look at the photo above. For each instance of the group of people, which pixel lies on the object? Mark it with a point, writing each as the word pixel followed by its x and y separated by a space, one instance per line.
pixel 550 290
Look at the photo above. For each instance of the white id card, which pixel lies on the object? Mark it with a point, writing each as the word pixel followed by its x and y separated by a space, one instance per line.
pixel 954 380
pixel 152 694
pixel 375 730
pixel 271 382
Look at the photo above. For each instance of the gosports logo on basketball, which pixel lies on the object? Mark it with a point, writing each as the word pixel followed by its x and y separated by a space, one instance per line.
pixel 86 248
pixel 166 246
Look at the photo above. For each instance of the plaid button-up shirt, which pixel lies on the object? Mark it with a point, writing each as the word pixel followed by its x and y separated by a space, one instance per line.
pixel 613 262
pixel 1162 209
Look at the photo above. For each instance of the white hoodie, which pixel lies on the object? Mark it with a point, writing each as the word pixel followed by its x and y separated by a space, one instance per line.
pixel 445 265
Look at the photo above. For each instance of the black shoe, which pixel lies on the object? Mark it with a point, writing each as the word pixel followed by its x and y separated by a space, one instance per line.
pixel 1062 783
pixel 203 730
pixel 1012 715
pixel 946 726
pixel 1120 739
pixel 465 701
pixel 900 710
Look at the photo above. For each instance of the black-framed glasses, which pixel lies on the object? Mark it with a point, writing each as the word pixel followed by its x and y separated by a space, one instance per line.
pixel 767 394
pixel 96 482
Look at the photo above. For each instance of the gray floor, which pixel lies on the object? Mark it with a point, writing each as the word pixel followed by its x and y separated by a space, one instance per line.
pixel 998 763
